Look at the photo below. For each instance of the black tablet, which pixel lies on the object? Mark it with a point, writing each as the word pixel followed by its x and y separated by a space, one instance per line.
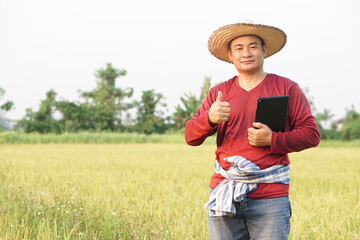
pixel 272 112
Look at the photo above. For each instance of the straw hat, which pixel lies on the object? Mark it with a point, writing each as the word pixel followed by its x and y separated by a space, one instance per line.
pixel 274 38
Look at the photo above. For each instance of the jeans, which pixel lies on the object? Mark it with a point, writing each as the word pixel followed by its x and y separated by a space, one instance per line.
pixel 254 219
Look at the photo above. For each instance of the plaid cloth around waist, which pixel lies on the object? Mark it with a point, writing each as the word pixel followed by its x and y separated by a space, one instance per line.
pixel 241 178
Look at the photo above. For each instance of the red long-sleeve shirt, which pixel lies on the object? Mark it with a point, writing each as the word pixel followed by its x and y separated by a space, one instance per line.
pixel 301 131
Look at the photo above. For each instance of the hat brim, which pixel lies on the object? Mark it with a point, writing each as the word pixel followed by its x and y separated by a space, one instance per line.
pixel 274 38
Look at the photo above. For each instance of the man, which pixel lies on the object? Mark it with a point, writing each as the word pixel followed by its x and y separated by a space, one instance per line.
pixel 241 207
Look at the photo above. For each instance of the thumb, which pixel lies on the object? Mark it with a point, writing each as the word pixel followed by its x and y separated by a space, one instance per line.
pixel 258 125
pixel 219 96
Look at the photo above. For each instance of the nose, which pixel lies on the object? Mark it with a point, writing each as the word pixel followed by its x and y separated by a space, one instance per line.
pixel 246 53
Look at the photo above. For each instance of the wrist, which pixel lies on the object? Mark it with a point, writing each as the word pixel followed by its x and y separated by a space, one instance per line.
pixel 209 120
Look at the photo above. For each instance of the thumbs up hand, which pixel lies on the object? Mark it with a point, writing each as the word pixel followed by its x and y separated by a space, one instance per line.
pixel 219 111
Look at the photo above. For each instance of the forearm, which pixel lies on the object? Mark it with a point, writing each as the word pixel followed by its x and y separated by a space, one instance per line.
pixel 198 129
pixel 300 138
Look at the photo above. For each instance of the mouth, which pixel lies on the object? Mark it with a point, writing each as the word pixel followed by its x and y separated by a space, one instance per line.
pixel 247 62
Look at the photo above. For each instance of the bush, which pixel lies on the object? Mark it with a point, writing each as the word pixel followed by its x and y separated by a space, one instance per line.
pixel 329 134
pixel 351 130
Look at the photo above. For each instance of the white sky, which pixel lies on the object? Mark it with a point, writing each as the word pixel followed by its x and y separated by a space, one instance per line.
pixel 46 44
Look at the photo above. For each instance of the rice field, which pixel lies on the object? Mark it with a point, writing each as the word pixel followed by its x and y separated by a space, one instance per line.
pixel 157 191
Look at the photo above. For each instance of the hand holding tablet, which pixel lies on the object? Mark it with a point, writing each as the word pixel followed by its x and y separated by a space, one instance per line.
pixel 272 111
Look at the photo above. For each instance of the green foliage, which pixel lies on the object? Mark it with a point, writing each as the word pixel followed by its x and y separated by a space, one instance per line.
pixel 7 106
pixel 101 110
pixel 351 130
pixel 325 116
pixel 190 105
pixel 329 134
pixel 351 115
pixel 75 116
pixel 149 119
pixel 351 122
pixel 108 75
pixel 42 121
pixel 13 137
pixel 105 102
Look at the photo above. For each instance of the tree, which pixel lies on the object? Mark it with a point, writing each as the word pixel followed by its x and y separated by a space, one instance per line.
pixel 351 115
pixel 42 121
pixel 190 105
pixel 310 99
pixel 7 106
pixel 75 116
pixel 351 129
pixel 149 119
pixel 205 89
pixel 100 111
pixel 106 101
pixel 325 116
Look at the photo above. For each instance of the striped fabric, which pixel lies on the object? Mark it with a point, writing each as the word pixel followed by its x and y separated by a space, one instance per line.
pixel 241 178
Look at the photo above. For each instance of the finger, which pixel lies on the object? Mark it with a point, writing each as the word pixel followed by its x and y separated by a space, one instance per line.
pixel 251 131
pixel 224 119
pixel 225 115
pixel 251 142
pixel 225 110
pixel 254 144
pixel 219 96
pixel 258 125
pixel 224 104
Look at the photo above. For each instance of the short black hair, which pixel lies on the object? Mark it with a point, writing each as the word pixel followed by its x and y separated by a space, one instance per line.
pixel 261 41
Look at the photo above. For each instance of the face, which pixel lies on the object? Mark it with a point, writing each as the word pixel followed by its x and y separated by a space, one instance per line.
pixel 247 54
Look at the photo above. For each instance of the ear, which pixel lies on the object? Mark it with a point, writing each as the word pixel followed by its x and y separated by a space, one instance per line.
pixel 264 50
pixel 230 55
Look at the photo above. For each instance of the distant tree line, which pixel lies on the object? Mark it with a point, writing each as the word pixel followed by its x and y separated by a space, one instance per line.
pixel 108 108
pixel 347 128
pixel 344 129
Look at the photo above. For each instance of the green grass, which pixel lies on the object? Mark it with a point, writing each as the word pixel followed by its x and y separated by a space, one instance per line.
pixel 91 137
pixel 88 137
pixel 157 191
pixel 13 137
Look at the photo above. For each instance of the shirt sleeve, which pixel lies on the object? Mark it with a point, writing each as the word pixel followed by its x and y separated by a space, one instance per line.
pixel 199 128
pixel 303 132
